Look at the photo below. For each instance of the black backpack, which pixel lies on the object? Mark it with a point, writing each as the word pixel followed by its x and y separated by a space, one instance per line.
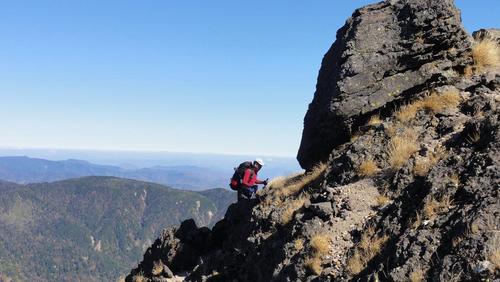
pixel 238 174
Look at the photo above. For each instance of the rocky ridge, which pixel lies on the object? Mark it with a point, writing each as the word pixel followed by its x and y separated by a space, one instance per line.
pixel 401 145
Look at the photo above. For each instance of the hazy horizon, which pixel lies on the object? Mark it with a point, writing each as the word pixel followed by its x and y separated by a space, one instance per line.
pixel 147 159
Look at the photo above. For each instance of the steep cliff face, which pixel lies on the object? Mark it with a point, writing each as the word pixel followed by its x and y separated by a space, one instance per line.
pixel 402 147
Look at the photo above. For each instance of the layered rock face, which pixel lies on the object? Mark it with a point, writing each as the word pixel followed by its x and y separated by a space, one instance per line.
pixel 384 54
pixel 402 149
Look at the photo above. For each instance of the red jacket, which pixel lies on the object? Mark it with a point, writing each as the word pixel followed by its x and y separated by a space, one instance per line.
pixel 250 178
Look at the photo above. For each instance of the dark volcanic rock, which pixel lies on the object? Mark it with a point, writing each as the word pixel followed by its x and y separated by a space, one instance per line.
pixel 384 52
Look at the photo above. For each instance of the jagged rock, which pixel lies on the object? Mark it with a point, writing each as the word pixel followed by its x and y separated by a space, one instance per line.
pixel 493 33
pixel 433 217
pixel 323 210
pixel 385 52
pixel 167 272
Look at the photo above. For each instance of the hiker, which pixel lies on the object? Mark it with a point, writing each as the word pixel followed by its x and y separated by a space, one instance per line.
pixel 245 179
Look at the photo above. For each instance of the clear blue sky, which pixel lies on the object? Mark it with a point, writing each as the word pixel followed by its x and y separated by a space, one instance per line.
pixel 193 76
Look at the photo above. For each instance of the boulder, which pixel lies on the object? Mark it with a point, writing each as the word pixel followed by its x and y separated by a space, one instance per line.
pixel 323 210
pixel 385 53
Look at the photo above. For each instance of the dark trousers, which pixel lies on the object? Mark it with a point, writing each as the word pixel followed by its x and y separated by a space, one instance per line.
pixel 247 192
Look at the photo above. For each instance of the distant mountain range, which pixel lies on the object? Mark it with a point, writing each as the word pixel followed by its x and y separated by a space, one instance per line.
pixel 24 170
pixel 90 228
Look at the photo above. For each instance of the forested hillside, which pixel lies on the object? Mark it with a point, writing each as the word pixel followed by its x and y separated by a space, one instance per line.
pixel 91 228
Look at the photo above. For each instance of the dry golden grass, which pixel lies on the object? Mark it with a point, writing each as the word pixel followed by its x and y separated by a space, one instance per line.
pixel 275 187
pixel 314 265
pixel 423 165
pixel 368 247
pixel 418 221
pixel 420 39
pixel 355 263
pixel 433 207
pixel 277 182
pixel 298 244
pixel 468 71
pixel 474 228
pixel 382 200
pixel 320 246
pixel 435 103
pixel 139 278
pixel 375 120
pixel 458 239
pixel 417 276
pixel 355 136
pixel 494 250
pixel 157 268
pixel 478 113
pixel 368 168
pixel 401 148
pixel 281 181
pixel 408 112
pixel 486 54
pixel 290 208
pixel 473 137
pixel 301 181
pixel 455 179
pixel 390 130
pixel 494 258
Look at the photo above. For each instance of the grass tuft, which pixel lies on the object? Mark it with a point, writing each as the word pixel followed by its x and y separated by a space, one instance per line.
pixel 314 265
pixel 375 120
pixel 417 276
pixel 298 183
pixel 139 278
pixel 494 250
pixel 437 103
pixel 473 137
pixel 368 247
pixel 320 246
pixel 408 112
pixel 355 263
pixel 382 200
pixel 298 244
pixel 402 147
pixel 290 209
pixel 423 165
pixel 418 221
pixel 157 268
pixel 455 179
pixel 486 54
pixel 434 103
pixel 368 168
pixel 433 207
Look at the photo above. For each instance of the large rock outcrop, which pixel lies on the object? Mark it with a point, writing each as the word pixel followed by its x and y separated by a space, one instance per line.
pixel 384 53
pixel 405 128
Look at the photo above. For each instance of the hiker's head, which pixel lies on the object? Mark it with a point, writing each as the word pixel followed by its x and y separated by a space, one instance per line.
pixel 258 164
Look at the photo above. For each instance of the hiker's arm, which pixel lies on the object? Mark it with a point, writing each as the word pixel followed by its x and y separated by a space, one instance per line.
pixel 262 181
pixel 246 178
